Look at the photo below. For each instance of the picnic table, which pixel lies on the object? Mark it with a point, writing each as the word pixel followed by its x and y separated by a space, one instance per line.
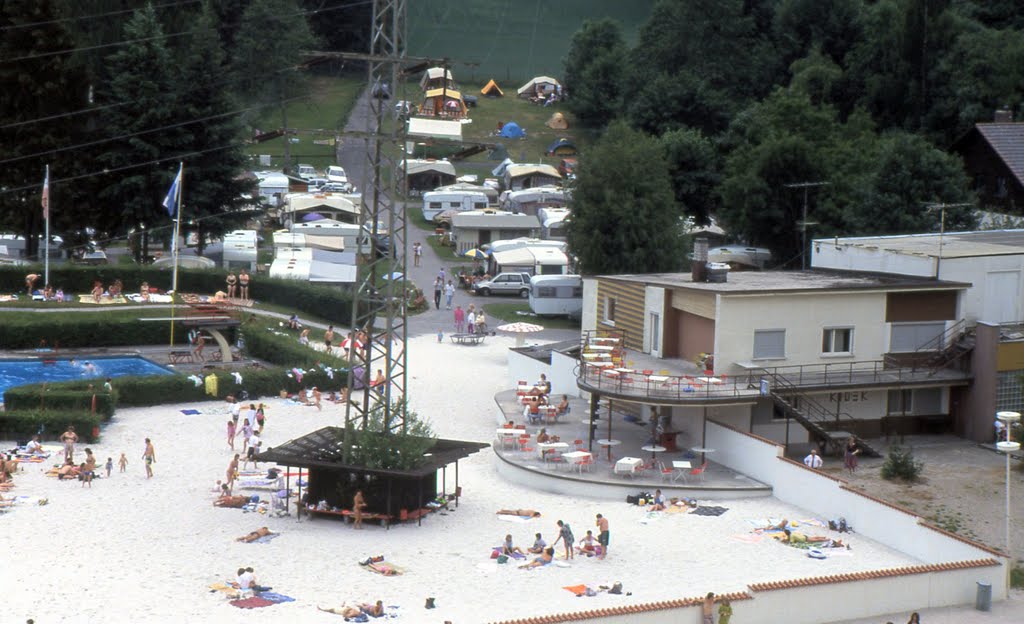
pixel 467 339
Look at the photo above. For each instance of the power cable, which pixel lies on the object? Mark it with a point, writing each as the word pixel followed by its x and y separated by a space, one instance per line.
pixel 82 18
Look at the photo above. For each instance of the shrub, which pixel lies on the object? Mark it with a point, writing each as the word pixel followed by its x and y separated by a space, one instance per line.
pixel 49 424
pixel 59 398
pixel 85 329
pixel 900 464
pixel 281 346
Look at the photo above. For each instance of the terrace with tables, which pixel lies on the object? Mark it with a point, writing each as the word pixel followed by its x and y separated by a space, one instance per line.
pixel 616 456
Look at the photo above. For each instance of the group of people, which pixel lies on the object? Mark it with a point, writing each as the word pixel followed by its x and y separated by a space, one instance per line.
pixel 441 288
pixel 48 293
pixel 471 320
pixel 589 545
pixel 252 423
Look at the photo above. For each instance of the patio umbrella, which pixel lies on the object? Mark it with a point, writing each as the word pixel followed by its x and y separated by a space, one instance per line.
pixel 313 216
pixel 520 330
pixel 475 254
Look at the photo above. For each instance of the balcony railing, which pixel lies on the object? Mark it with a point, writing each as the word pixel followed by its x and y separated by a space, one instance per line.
pixel 653 385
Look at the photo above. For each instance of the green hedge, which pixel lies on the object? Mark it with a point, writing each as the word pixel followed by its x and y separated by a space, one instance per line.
pixel 60 398
pixel 266 342
pixel 86 329
pixel 323 301
pixel 26 423
pixel 161 389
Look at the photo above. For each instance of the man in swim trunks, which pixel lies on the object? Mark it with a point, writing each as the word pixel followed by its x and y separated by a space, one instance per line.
pixel 602 536
pixel 149 455
pixel 328 337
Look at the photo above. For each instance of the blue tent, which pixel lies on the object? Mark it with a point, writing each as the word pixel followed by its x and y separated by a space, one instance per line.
pixel 562 147
pixel 511 130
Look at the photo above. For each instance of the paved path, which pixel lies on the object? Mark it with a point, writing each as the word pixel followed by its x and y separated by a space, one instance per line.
pixel 1006 612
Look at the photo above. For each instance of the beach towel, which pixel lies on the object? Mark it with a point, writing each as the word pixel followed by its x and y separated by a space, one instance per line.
pixel 579 590
pixel 385 568
pixel 516 519
pixel 748 538
pixel 264 539
pixel 496 551
pixel 709 511
pixel 275 597
pixel 105 300
pixel 190 412
pixel 252 603
pixel 224 588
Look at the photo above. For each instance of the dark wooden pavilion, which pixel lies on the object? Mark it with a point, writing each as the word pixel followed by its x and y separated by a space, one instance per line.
pixel 391 493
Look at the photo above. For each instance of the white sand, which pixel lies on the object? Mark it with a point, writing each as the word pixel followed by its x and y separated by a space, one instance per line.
pixel 132 550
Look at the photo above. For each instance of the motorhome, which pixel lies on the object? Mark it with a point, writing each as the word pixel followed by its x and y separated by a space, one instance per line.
pixel 353 237
pixel 553 222
pixel 240 249
pixel 529 255
pixel 556 295
pixel 436 202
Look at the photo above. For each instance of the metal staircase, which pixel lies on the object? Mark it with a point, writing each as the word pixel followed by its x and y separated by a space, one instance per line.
pixel 822 423
pixel 947 350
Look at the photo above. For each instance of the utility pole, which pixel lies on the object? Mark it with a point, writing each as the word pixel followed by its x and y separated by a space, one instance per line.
pixel 942 227
pixel 803 223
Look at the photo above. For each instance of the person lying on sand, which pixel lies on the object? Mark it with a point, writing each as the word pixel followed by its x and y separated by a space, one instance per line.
pixel 348 611
pixel 546 557
pixel 794 537
pixel 231 501
pixel 255 535
pixel 525 512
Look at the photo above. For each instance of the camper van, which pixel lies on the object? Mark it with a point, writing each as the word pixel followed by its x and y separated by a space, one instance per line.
pixel 436 202
pixel 353 236
pixel 240 249
pixel 556 295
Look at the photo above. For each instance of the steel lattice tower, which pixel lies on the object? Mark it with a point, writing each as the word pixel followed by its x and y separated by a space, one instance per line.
pixel 378 307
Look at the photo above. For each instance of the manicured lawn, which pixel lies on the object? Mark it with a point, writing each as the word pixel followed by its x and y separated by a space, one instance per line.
pixel 325 112
pixel 515 312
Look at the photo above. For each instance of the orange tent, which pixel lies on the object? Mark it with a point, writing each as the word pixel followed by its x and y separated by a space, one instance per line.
pixel 492 89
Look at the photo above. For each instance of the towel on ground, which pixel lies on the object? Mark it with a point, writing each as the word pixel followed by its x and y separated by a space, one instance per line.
pixel 579 590
pixel 748 538
pixel 263 539
pixel 252 603
pixel 190 412
pixel 275 597
pixel 498 550
pixel 709 511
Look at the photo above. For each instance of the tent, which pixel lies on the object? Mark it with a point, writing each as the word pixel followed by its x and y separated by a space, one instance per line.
pixel 557 122
pixel 436 78
pixel 541 85
pixel 562 147
pixel 447 102
pixel 491 89
pixel 511 130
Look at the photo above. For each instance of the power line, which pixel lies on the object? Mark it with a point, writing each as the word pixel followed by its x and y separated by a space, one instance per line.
pixel 80 111
pixel 168 35
pixel 82 18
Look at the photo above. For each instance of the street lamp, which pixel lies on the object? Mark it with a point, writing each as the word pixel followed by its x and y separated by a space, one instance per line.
pixel 1006 447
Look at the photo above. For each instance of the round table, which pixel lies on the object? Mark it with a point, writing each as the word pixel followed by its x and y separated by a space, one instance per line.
pixel 609 444
pixel 653 449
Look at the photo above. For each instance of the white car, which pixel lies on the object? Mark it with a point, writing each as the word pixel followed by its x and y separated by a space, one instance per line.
pixel 336 174
pixel 306 172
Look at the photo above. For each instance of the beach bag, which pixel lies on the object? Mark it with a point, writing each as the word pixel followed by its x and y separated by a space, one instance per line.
pixel 616 588
pixel 632 500
pixel 502 558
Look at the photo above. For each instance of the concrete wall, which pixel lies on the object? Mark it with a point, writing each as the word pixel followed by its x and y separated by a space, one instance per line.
pixel 979 305
pixel 829 497
pixel 803 316
pixel 563 375
pixel 825 254
pixel 589 319
pixel 979 407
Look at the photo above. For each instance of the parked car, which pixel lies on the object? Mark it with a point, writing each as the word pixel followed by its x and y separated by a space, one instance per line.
pixel 336 174
pixel 316 183
pixel 336 187
pixel 306 172
pixel 505 284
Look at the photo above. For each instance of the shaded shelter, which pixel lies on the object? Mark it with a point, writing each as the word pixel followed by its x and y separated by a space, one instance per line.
pixel 400 493
pixel 427 175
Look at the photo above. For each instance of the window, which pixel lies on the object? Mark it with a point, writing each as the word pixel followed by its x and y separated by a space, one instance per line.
pixel 900 402
pixel 910 337
pixel 609 310
pixel 480 205
pixel 435 205
pixel 456 205
pixel 769 344
pixel 546 291
pixel 837 340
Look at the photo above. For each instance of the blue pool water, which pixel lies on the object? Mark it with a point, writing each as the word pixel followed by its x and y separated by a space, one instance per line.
pixel 21 372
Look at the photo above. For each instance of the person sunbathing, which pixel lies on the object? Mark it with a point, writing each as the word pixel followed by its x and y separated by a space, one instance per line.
pixel 374 610
pixel 658 503
pixel 528 513
pixel 508 549
pixel 68 471
pixel 546 557
pixel 231 501
pixel 255 535
pixel 795 537
pixel 348 611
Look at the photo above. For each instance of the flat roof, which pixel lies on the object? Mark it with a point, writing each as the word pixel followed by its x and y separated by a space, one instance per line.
pixel 953 244
pixel 435 128
pixel 758 282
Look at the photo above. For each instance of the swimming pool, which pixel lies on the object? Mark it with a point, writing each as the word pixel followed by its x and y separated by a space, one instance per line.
pixel 22 372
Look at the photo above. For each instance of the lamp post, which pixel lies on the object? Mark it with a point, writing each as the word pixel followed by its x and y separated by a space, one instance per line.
pixel 1006 447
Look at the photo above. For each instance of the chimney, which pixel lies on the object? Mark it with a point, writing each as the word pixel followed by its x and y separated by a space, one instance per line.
pixel 1003 115
pixel 698 272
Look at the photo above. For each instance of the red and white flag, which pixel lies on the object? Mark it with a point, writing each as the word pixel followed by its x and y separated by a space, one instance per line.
pixel 46 194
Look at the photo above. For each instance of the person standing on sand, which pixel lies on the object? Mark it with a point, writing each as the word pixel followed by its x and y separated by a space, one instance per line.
pixel 123 463
pixel 358 504
pixel 69 438
pixel 243 284
pixel 149 455
pixel 232 471
pixel 460 319
pixel 231 283
pixel 565 535
pixel 724 611
pixel 231 434
pixel 602 535
pixel 709 608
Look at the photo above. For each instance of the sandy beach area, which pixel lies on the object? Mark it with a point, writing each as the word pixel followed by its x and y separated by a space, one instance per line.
pixel 136 550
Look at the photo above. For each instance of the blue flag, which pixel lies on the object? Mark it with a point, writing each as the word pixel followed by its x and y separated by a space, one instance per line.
pixel 171 201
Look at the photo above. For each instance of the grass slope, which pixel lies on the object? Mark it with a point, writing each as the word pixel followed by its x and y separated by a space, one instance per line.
pixel 510 41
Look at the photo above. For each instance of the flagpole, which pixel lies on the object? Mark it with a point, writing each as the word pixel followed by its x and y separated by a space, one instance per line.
pixel 46 218
pixel 174 244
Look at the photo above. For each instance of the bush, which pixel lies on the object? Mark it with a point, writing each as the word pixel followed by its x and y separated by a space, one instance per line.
pixel 86 329
pixel 59 398
pixel 281 346
pixel 900 464
pixel 49 424
pixel 303 297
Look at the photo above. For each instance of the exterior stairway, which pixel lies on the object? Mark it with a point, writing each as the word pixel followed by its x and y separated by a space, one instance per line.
pixel 820 422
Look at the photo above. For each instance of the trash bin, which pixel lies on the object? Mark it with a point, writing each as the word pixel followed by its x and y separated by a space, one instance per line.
pixel 983 601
